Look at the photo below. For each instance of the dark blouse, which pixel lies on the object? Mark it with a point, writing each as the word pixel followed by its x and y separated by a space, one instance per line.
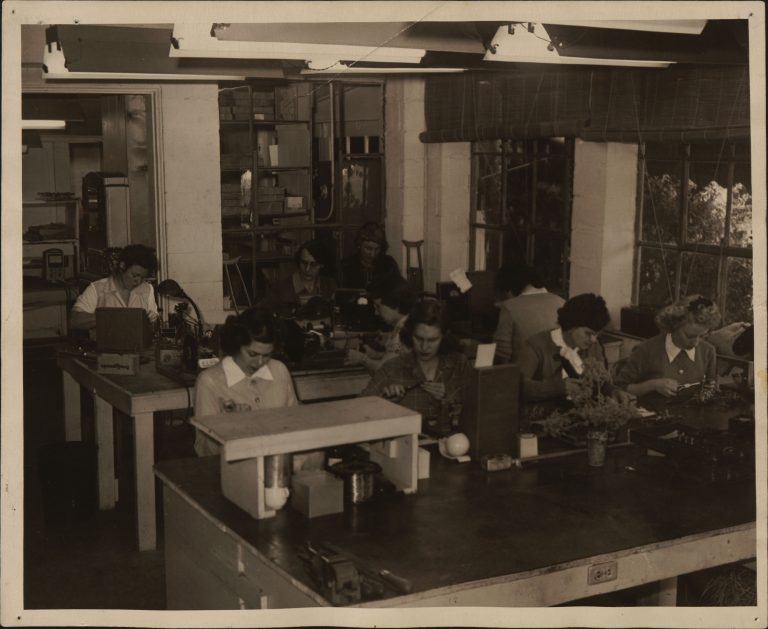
pixel 354 275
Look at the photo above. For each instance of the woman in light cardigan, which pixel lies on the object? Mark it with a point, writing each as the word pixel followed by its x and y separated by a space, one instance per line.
pixel 676 357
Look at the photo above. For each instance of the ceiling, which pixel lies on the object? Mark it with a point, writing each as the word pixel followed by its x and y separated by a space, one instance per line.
pixel 152 48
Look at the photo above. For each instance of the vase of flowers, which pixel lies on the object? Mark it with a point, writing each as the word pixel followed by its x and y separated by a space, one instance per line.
pixel 597 410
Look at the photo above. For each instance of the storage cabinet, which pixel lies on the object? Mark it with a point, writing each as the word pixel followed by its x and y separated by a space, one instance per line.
pixel 50 224
pixel 298 160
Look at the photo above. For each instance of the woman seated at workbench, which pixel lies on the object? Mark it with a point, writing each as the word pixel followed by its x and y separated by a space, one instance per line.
pixel 431 378
pixel 678 356
pixel 527 308
pixel 124 288
pixel 393 300
pixel 552 359
pixel 247 378
pixel 307 281
pixel 370 264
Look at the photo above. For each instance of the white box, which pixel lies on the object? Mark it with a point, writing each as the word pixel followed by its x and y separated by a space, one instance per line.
pixel 274 155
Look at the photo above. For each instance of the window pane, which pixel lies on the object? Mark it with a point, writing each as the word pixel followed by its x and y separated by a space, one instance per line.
pixel 550 192
pixel 741 212
pixel 519 183
pixel 548 258
pixel 699 275
pixel 657 276
pixel 488 249
pixel 487 146
pixel 707 200
pixel 487 193
pixel 661 202
pixel 738 295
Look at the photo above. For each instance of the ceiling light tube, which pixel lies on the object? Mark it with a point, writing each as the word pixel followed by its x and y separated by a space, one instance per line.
pixel 40 125
pixel 195 40
pixel 525 47
pixel 54 68
pixel 680 27
pixel 341 68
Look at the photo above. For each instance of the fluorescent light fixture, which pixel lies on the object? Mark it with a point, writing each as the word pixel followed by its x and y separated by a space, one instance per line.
pixel 46 125
pixel 522 46
pixel 680 27
pixel 340 68
pixel 54 68
pixel 195 40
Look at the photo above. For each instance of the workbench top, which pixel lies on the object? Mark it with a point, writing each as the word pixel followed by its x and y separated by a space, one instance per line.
pixel 467 525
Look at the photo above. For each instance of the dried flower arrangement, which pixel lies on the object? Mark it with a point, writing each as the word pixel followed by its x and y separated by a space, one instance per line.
pixel 594 408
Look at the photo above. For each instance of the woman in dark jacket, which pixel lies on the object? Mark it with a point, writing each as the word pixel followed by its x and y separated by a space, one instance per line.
pixel 370 264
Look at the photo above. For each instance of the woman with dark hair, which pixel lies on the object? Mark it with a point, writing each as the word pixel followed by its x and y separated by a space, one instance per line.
pixel 431 377
pixel 247 378
pixel 676 357
pixel 370 264
pixel 125 288
pixel 552 358
pixel 527 308
pixel 307 281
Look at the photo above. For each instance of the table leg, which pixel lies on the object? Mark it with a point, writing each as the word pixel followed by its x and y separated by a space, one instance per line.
pixel 105 444
pixel 668 592
pixel 144 459
pixel 72 419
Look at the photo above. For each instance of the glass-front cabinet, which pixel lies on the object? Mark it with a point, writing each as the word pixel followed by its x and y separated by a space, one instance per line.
pixel 299 160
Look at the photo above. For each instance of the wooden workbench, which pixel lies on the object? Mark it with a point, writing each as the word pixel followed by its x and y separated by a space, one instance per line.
pixel 513 538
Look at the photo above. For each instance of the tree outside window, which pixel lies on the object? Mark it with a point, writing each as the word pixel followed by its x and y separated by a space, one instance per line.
pixel 521 206
pixel 695 225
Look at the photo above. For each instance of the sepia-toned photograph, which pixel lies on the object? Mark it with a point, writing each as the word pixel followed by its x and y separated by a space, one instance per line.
pixel 383 314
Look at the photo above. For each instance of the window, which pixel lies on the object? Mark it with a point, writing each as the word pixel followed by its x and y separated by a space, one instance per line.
pixel 694 230
pixel 521 206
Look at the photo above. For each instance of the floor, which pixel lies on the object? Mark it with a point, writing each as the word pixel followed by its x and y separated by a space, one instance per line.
pixel 77 557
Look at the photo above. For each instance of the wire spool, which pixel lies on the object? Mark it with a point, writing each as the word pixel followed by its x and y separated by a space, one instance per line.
pixel 359 479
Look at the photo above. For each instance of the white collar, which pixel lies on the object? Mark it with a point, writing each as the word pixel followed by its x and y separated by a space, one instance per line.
pixel 532 290
pixel 569 353
pixel 234 374
pixel 673 350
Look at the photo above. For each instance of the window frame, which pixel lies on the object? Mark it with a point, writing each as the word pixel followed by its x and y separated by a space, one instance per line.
pixel 722 252
pixel 529 232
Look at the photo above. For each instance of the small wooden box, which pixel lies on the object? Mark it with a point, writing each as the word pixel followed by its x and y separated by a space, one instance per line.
pixel 317 493
pixel 118 364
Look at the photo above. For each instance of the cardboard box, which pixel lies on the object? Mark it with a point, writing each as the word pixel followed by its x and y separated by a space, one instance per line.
pixel 118 364
pixel 317 493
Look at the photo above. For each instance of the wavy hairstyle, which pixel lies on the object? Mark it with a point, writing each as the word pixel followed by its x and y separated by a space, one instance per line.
pixel 586 310
pixel 373 232
pixel 140 255
pixel 254 324
pixel 691 309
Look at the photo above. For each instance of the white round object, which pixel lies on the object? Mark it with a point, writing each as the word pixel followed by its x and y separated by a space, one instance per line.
pixel 457 445
pixel 275 497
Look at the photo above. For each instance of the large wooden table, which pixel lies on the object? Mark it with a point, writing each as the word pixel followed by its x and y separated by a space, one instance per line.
pixel 139 397
pixel 520 537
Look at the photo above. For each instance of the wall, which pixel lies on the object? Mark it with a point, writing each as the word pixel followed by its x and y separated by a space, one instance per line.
pixel 603 222
pixel 190 173
pixel 427 185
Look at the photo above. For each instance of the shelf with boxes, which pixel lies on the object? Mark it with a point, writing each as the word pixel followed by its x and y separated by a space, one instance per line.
pixel 265 136
pixel 51 238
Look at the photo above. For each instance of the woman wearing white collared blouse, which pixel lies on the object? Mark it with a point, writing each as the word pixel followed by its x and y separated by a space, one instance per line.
pixel 248 378
pixel 677 356
pixel 125 288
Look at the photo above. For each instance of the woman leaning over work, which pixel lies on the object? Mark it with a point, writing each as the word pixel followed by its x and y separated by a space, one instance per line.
pixel 676 357
pixel 431 378
pixel 552 361
pixel 247 378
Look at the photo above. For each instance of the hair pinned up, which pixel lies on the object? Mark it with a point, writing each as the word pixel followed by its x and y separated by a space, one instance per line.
pixel 586 310
pixel 372 232
pixel 692 309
